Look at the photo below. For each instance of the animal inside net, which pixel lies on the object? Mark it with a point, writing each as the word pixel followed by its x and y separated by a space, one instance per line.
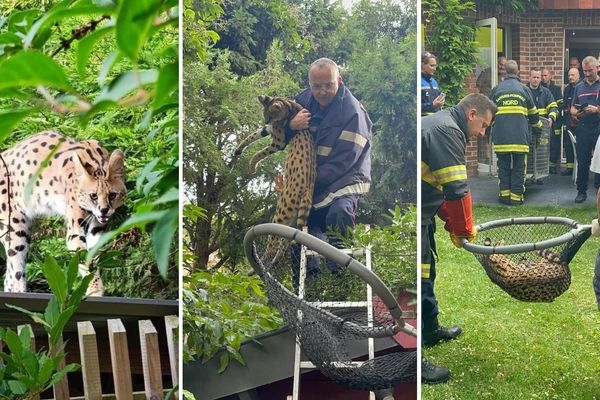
pixel 536 275
pixel 333 336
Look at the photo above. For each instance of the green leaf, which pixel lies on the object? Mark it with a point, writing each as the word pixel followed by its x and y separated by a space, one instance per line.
pixel 60 323
pixel 125 84
pixel 10 119
pixel 73 269
pixel 111 59
pixel 85 47
pixel 14 343
pixel 30 69
pixel 37 317
pixel 223 361
pixel 17 387
pixel 162 239
pixel 79 291
pixel 168 81
pixel 52 312
pixel 47 366
pixel 56 279
pixel 133 25
pixel 61 374
pixel 31 365
pixel 59 12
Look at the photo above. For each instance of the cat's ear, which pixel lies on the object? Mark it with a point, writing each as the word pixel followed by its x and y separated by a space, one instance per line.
pixel 116 166
pixel 264 100
pixel 80 170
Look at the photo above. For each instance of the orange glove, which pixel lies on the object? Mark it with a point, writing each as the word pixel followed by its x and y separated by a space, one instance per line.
pixel 458 215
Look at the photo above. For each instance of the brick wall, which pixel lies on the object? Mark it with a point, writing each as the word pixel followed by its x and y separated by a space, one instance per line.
pixel 537 41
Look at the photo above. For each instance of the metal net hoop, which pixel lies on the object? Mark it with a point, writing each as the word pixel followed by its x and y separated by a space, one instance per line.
pixel 528 257
pixel 324 331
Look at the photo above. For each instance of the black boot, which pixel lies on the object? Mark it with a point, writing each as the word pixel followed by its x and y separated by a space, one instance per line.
pixel 431 373
pixel 433 333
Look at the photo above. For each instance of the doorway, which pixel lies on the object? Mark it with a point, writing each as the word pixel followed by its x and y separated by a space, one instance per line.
pixel 580 43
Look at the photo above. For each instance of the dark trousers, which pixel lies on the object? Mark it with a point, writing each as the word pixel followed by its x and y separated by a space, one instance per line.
pixel 555 145
pixel 511 175
pixel 329 224
pixel 586 136
pixel 570 155
pixel 429 303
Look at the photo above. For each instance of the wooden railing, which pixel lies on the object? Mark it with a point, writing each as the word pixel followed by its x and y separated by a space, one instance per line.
pixel 120 360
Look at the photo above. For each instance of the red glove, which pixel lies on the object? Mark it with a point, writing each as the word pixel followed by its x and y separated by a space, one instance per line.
pixel 458 215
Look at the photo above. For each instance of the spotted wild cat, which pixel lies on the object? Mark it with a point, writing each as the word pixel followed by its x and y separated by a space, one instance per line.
pixel 82 182
pixel 295 198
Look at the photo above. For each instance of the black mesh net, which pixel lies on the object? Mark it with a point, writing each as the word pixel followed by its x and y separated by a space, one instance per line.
pixel 529 257
pixel 331 320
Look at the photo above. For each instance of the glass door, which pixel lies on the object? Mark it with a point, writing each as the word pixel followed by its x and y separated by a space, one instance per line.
pixel 486 71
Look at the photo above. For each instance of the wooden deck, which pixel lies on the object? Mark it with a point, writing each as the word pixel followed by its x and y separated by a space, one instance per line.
pixel 94 309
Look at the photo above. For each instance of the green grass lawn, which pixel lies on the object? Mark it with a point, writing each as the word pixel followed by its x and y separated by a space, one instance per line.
pixel 511 349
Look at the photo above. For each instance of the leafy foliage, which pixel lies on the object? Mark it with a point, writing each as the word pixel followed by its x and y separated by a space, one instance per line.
pixel 452 40
pixel 25 372
pixel 220 109
pixel 393 248
pixel 220 311
pixel 108 71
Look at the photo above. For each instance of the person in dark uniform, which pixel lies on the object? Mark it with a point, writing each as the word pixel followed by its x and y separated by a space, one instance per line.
pixel 545 103
pixel 569 121
pixel 445 193
pixel 432 98
pixel 343 132
pixel 556 137
pixel 511 135
pixel 585 108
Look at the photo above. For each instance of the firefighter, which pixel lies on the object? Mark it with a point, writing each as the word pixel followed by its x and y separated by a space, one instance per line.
pixel 546 105
pixel 556 137
pixel 444 192
pixel 586 108
pixel 511 135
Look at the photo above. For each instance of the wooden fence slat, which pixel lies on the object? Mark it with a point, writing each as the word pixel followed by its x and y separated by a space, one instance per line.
pixel 119 357
pixel 32 336
pixel 172 328
pixel 150 360
pixel 61 388
pixel 90 365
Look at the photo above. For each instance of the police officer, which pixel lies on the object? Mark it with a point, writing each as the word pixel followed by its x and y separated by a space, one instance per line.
pixel 444 192
pixel 432 99
pixel 510 133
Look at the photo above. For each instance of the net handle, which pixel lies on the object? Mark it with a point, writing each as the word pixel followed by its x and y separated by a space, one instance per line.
pixel 576 229
pixel 327 250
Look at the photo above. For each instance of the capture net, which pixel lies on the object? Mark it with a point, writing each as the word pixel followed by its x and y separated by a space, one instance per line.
pixel 331 321
pixel 528 257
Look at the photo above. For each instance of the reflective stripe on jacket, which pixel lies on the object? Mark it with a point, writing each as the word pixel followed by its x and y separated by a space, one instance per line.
pixel 516 110
pixel 443 162
pixel 343 140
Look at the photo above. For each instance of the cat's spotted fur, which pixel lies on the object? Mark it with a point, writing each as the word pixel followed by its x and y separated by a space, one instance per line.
pixel 82 182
